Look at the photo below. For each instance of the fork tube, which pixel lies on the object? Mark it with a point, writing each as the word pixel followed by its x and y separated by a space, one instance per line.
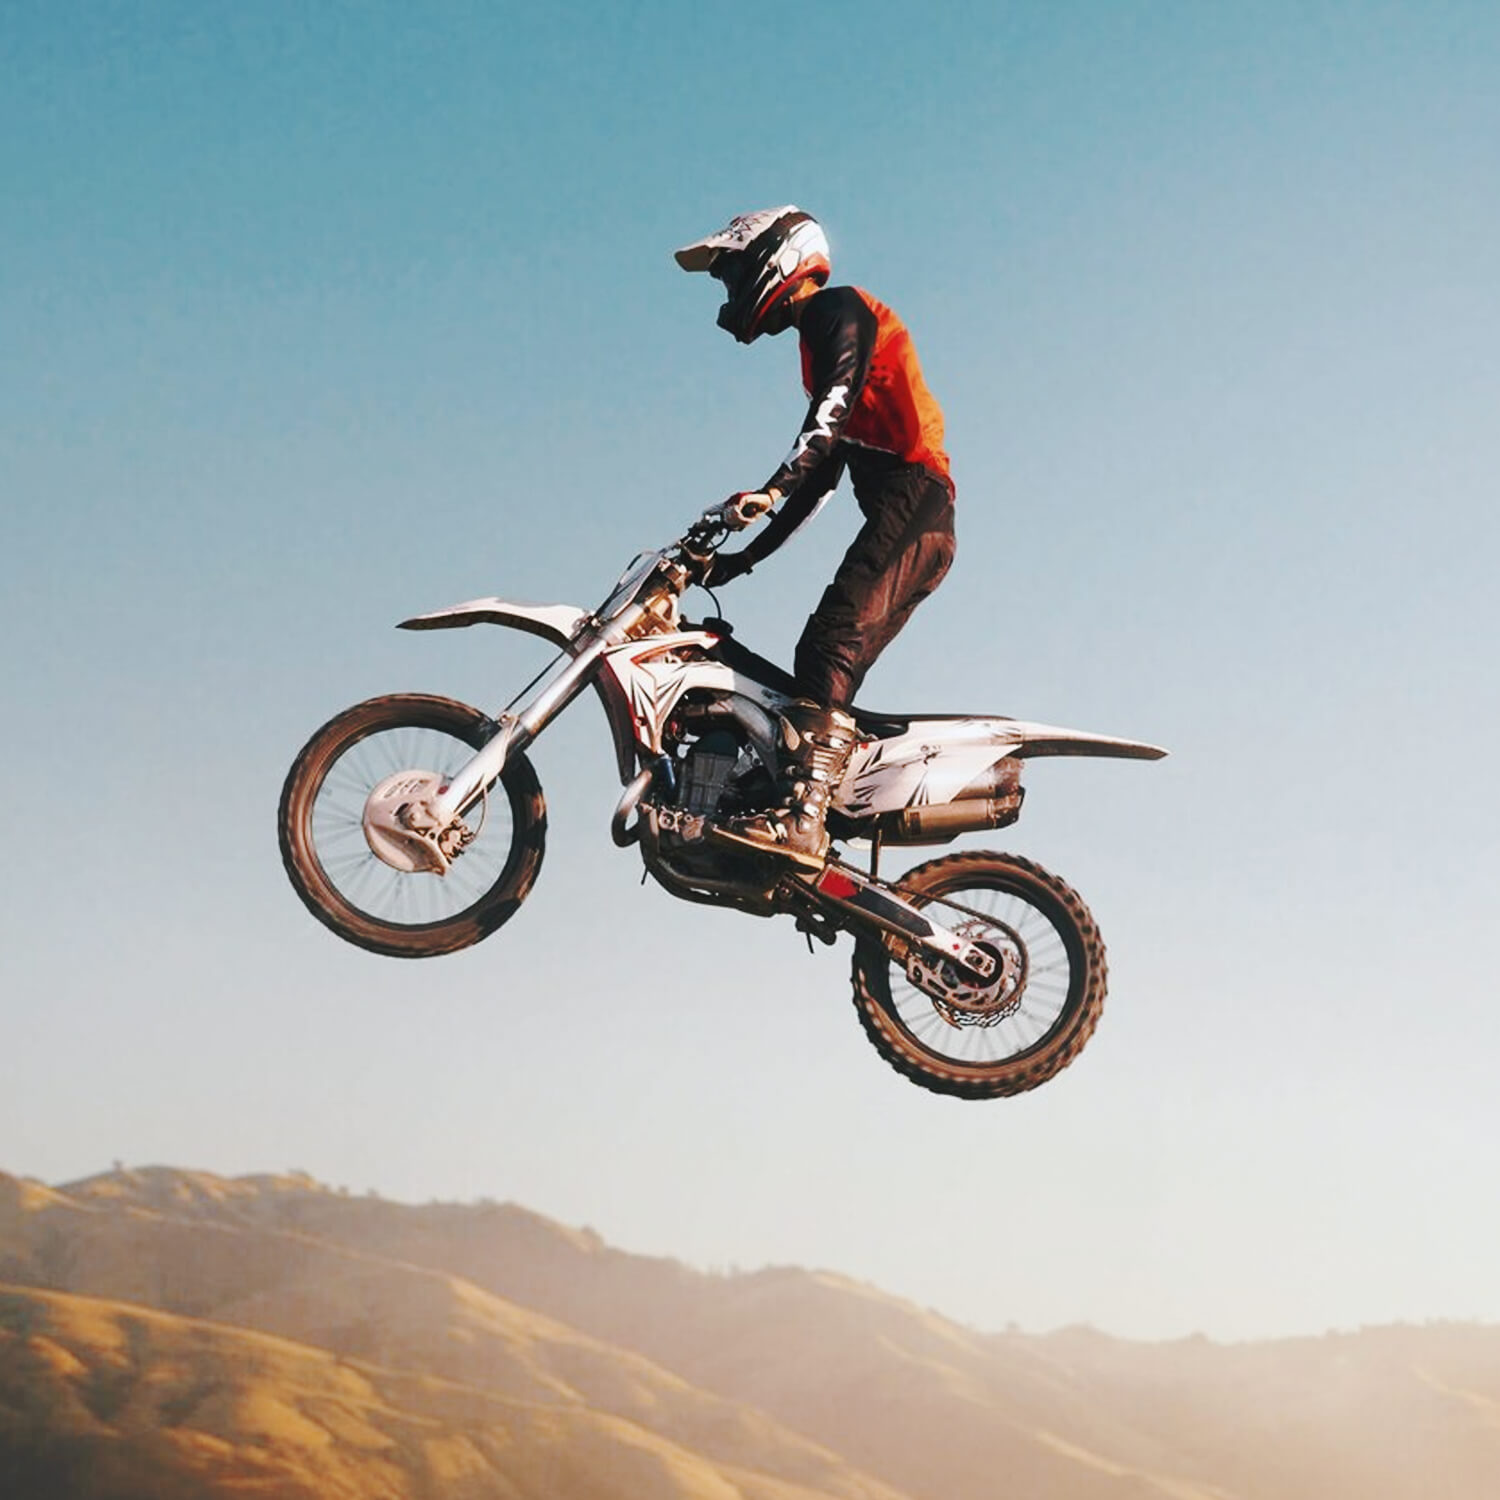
pixel 520 729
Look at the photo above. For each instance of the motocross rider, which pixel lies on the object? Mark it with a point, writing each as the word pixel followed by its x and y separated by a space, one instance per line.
pixel 869 411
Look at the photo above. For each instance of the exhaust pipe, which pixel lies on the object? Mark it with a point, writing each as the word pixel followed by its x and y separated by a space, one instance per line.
pixel 944 823
pixel 992 800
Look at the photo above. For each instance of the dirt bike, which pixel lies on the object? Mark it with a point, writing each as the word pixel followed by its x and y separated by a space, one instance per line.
pixel 414 825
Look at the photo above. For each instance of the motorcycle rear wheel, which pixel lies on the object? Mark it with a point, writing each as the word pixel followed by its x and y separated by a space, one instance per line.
pixel 978 1044
pixel 367 902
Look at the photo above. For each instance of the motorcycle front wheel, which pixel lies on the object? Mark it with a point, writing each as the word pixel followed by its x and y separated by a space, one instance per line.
pixel 1013 1032
pixel 364 900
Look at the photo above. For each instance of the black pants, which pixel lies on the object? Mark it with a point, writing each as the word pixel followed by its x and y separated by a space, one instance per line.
pixel 899 557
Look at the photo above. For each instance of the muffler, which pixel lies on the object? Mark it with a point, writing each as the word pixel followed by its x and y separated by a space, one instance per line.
pixel 992 800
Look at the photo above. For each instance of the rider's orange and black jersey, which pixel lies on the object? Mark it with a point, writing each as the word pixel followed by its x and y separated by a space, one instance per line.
pixel 869 410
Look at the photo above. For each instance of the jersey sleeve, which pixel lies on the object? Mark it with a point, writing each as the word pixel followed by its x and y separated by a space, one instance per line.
pixel 838 331
pixel 796 510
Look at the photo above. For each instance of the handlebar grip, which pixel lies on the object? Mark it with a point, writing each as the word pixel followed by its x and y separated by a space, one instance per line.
pixel 748 511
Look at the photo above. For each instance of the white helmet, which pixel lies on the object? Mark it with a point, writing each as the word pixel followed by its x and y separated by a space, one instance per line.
pixel 760 258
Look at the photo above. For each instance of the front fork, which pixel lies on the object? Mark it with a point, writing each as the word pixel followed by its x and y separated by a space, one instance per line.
pixel 863 900
pixel 518 730
pixel 410 821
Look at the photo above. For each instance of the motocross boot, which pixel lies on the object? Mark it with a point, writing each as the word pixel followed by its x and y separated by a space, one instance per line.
pixel 819 742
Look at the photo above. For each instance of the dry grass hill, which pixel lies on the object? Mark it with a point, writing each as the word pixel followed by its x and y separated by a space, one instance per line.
pixel 169 1334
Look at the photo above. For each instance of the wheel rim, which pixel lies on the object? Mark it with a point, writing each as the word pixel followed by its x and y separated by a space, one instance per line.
pixel 1040 977
pixel 366 884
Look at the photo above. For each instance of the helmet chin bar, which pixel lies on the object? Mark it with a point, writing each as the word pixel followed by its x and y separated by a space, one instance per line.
pixel 775 314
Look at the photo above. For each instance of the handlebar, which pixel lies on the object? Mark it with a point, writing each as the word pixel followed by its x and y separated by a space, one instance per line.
pixel 713 528
pixel 682 563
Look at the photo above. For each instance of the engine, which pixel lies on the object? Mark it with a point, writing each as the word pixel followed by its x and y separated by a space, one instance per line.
pixel 705 772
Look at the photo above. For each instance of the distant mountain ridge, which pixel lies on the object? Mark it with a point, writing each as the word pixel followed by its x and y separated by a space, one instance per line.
pixel 167 1332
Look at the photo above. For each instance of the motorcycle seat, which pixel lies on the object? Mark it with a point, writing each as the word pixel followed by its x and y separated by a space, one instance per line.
pixel 875 726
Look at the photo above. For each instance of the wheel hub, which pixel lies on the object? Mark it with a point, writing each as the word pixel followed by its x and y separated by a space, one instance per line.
pixel 961 998
pixel 400 828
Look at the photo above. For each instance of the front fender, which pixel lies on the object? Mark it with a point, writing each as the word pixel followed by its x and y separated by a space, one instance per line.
pixel 561 624
pixel 558 623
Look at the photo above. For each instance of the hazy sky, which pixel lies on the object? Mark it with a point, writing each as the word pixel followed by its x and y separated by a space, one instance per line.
pixel 316 317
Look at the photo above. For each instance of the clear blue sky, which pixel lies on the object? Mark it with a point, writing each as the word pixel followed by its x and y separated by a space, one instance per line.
pixel 314 317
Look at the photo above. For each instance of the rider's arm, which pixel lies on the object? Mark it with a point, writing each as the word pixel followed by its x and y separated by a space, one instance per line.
pixel 837 329
pixel 792 515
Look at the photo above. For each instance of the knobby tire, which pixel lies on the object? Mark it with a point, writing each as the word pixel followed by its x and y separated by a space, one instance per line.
pixel 895 1035
pixel 320 891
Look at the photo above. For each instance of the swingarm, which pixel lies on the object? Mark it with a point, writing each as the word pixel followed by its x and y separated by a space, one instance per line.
pixel 862 900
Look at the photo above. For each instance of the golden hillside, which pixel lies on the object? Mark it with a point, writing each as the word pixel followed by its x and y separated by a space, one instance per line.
pixel 526 1354
pixel 102 1400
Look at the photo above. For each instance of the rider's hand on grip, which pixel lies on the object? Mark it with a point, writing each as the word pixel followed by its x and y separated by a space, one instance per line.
pixel 739 510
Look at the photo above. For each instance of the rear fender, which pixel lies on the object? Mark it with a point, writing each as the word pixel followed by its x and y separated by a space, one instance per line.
pixel 934 760
pixel 1051 739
